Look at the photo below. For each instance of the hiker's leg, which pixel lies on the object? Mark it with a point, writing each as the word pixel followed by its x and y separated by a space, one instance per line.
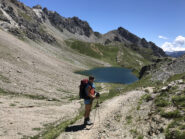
pixel 87 110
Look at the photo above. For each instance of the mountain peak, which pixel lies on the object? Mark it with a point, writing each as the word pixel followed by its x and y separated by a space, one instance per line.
pixel 37 7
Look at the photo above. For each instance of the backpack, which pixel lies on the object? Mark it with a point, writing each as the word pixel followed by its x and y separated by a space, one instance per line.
pixel 82 87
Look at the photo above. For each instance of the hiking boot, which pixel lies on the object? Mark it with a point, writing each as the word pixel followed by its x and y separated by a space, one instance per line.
pixel 87 121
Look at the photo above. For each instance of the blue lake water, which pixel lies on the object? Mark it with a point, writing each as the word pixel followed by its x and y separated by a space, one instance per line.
pixel 111 75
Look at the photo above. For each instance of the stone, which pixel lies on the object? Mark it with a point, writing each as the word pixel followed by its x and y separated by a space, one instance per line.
pixel 180 81
pixel 37 7
pixel 165 88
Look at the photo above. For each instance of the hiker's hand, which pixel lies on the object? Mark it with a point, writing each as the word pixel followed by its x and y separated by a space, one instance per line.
pixel 93 97
pixel 97 95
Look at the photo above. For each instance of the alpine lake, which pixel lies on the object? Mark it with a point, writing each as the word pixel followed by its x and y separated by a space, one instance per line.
pixel 111 75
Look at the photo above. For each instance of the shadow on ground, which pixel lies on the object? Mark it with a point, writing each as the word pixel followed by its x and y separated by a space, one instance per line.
pixel 75 128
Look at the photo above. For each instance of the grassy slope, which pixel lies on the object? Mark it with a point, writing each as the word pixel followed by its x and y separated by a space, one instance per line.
pixel 128 58
pixel 176 101
pixel 98 51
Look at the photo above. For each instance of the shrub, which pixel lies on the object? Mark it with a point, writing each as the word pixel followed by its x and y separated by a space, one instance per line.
pixel 129 119
pixel 171 114
pixel 175 134
pixel 161 102
pixel 179 100
pixel 147 97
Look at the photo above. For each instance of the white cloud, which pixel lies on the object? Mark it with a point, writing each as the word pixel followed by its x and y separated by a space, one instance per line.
pixel 180 40
pixel 177 45
pixel 162 37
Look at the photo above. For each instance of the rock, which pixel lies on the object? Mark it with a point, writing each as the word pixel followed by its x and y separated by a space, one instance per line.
pixel 165 88
pixel 157 50
pixel 37 7
pixel 178 93
pixel 180 81
pixel 171 84
pixel 73 25
pixel 127 35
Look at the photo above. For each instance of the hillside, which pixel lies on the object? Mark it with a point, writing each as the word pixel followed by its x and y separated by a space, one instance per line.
pixel 163 69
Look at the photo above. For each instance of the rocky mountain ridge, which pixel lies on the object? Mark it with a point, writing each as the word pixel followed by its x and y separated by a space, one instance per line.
pixel 124 36
pixel 163 69
pixel 32 22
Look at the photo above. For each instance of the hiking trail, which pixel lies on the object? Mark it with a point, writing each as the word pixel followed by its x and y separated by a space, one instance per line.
pixel 107 124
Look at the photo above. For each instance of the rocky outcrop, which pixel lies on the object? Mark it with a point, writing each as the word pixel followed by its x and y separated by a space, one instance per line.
pixel 73 25
pixel 124 36
pixel 22 21
pixel 157 51
pixel 163 69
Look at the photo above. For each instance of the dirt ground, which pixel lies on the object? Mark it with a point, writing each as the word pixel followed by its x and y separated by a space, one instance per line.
pixel 41 85
pixel 110 121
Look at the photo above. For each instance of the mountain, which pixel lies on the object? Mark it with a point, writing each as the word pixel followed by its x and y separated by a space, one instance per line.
pixel 40 51
pixel 175 53
pixel 124 36
pixel 34 23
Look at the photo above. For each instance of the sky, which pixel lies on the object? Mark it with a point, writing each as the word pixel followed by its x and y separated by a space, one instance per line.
pixel 160 21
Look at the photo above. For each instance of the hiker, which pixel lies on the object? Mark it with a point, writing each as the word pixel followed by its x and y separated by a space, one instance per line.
pixel 90 96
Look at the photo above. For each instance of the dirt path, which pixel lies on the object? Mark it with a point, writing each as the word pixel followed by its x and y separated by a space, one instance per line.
pixel 107 123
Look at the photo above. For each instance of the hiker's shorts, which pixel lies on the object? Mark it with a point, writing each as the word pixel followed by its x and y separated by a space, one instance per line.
pixel 87 101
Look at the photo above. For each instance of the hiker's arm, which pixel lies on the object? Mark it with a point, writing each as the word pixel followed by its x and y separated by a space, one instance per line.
pixel 89 94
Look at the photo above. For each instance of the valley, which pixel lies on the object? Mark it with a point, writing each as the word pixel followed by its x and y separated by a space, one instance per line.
pixel 40 53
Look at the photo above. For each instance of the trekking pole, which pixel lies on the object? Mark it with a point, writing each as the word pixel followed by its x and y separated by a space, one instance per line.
pixel 98 111
pixel 96 107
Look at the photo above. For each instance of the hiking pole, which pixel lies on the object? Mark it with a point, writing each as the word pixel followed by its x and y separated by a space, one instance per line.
pixel 96 107
pixel 98 111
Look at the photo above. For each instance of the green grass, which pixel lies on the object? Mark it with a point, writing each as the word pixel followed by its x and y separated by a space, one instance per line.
pixel 95 50
pixel 146 98
pixel 140 137
pixel 12 104
pixel 176 77
pixel 36 129
pixel 36 97
pixel 179 100
pixel 167 99
pixel 171 114
pixel 129 119
pixel 64 91
pixel 52 131
pixel 2 91
pixel 4 79
pixel 176 129
pixel 161 102
pixel 117 117
pixel 108 53
pixel 133 59
pixel 25 16
pixel 136 134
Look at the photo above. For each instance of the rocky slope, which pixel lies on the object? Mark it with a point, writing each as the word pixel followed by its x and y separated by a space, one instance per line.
pixel 124 36
pixel 162 69
pixel 33 23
